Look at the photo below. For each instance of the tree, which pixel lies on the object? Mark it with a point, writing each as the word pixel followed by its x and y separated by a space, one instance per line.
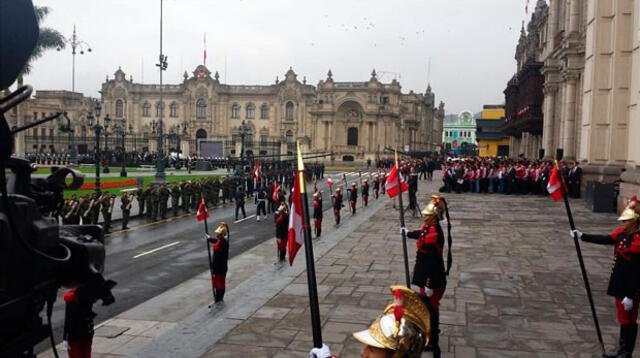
pixel 49 39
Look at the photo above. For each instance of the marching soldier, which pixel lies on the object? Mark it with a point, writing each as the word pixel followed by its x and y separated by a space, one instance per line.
pixel 186 195
pixel 376 186
pixel 317 212
pixel 95 209
pixel 148 196
pixel 196 194
pixel 429 271
pixel 105 207
pixel 125 206
pixel 175 198
pixel 240 203
pixel 282 231
pixel 261 201
pixel 624 282
pixel 353 197
pixel 216 191
pixel 337 205
pixel 365 192
pixel 220 259
pixel 401 331
pixel 163 197
pixel 140 197
pixel 85 210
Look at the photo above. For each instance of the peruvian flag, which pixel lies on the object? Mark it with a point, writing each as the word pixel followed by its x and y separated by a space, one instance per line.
pixel 274 196
pixel 329 181
pixel 256 171
pixel 555 185
pixel 202 213
pixel 391 185
pixel 296 233
pixel 344 179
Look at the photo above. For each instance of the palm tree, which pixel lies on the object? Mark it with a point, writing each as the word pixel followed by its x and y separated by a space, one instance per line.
pixel 49 39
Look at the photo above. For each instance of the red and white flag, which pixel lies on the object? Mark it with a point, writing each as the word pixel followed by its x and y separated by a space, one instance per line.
pixel 274 196
pixel 555 185
pixel 202 213
pixel 344 178
pixel 329 181
pixel 391 185
pixel 296 233
pixel 204 60
pixel 256 171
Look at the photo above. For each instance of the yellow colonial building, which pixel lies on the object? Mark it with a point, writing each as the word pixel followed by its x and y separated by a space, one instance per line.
pixel 491 141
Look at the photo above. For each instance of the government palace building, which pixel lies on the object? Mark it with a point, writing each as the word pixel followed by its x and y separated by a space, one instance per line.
pixel 202 116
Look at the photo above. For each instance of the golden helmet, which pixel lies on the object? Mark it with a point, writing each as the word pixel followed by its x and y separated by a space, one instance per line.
pixel 222 229
pixel 631 211
pixel 282 207
pixel 403 327
pixel 436 207
pixel 317 195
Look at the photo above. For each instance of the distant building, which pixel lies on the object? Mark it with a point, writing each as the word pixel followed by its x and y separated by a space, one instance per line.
pixel 491 140
pixel 459 133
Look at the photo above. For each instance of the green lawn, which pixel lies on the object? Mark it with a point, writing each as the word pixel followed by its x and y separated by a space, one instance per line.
pixel 146 181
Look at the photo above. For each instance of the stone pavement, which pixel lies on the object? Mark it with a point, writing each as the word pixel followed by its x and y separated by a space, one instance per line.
pixel 515 289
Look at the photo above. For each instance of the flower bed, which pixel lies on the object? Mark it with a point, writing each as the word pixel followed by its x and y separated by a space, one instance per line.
pixel 110 184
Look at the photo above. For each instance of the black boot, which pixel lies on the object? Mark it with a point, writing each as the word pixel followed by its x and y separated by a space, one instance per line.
pixel 282 254
pixel 623 342
pixel 631 332
pixel 318 231
pixel 220 295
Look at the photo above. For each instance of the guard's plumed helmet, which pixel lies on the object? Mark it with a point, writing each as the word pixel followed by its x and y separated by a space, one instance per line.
pixel 631 211
pixel 222 229
pixel 436 207
pixel 403 327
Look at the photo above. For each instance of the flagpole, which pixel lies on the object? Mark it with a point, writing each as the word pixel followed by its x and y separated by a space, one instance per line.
pixel 206 231
pixel 585 278
pixel 308 249
pixel 402 224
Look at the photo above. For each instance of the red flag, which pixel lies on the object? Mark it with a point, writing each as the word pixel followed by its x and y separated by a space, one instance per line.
pixel 329 181
pixel 256 171
pixel 274 196
pixel 296 233
pixel 202 213
pixel 391 185
pixel 555 185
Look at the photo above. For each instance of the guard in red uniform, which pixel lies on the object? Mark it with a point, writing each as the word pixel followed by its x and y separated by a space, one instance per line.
pixel 376 186
pixel 353 197
pixel 624 282
pixel 220 259
pixel 317 212
pixel 282 230
pixel 365 192
pixel 337 205
pixel 383 182
pixel 429 272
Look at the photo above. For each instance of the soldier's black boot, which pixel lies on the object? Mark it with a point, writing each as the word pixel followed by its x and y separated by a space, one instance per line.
pixel 622 343
pixel 220 295
pixel 630 334
pixel 281 255
pixel 318 231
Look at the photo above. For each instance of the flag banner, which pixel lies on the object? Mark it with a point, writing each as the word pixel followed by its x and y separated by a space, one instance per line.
pixel 274 196
pixel 329 181
pixel 391 184
pixel 202 213
pixel 296 234
pixel 555 185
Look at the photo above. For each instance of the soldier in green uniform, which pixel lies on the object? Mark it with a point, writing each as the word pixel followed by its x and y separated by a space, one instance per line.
pixel 186 195
pixel 196 194
pixel 215 197
pixel 163 197
pixel 175 198
pixel 95 210
pixel 105 207
pixel 125 206
pixel 148 197
pixel 155 202
pixel 85 211
pixel 141 198
pixel 225 189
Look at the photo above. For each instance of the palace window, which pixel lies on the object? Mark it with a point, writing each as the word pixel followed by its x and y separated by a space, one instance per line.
pixel 146 108
pixel 289 111
pixel 173 110
pixel 159 109
pixel 119 108
pixel 264 111
pixel 264 138
pixel 201 109
pixel 251 111
pixel 352 136
pixel 235 111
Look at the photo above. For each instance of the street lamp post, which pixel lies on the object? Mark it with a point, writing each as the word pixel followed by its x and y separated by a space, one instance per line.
pixel 75 44
pixel 97 128
pixel 244 130
pixel 107 120
pixel 121 130
pixel 162 66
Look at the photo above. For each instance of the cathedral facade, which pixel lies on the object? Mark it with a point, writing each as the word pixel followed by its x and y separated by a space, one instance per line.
pixel 352 120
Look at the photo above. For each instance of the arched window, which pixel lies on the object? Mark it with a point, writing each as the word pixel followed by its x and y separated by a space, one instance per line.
pixel 291 144
pixel 174 110
pixel 289 111
pixel 251 111
pixel 201 134
pixel 352 136
pixel 119 108
pixel 159 109
pixel 201 109
pixel 146 108
pixel 264 111
pixel 235 111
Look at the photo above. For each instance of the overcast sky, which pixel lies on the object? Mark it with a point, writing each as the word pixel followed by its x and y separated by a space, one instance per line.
pixel 471 43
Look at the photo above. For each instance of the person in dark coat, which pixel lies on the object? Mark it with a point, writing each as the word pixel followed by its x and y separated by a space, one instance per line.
pixel 239 196
pixel 282 231
pixel 353 197
pixel 624 282
pixel 429 272
pixel 317 212
pixel 574 180
pixel 220 246
pixel 365 192
pixel 337 205
pixel 376 186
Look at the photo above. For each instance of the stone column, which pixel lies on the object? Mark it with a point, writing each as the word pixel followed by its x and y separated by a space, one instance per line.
pixel 569 114
pixel 550 91
pixel 574 15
